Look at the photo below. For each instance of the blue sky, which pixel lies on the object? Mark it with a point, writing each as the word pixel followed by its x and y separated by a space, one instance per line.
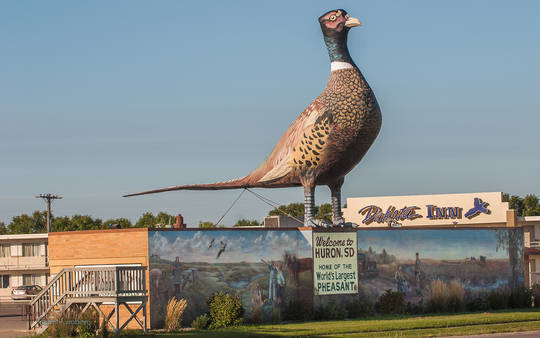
pixel 98 99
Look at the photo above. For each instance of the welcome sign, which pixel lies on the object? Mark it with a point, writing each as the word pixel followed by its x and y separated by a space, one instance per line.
pixel 335 263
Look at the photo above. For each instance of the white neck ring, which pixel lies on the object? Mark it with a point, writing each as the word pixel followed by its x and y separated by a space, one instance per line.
pixel 337 65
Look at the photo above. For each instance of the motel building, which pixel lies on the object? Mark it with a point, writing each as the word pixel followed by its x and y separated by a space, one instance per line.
pixel 130 274
pixel 23 261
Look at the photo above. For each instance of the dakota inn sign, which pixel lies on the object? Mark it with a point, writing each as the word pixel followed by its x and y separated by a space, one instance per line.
pixel 427 210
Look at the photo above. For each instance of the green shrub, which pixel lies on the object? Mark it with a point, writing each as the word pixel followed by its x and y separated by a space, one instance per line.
pixel 72 323
pixel 390 302
pixel 225 310
pixel 360 307
pixel 297 310
pixel 497 300
pixel 91 325
pixel 536 294
pixel 330 311
pixel 103 331
pixel 520 297
pixel 478 303
pixel 201 322
pixel 415 308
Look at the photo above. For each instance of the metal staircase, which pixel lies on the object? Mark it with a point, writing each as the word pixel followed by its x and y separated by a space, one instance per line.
pixel 92 287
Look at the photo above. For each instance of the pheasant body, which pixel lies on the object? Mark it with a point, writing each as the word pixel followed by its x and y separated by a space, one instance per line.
pixel 328 138
pixel 347 128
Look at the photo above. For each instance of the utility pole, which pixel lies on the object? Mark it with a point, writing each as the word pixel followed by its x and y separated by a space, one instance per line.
pixel 48 198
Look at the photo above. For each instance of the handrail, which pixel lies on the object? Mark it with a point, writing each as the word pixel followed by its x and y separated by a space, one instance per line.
pixel 88 282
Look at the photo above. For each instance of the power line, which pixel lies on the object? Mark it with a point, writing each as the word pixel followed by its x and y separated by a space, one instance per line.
pixel 48 198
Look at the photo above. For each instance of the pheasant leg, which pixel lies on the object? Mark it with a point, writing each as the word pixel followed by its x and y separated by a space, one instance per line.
pixel 335 190
pixel 309 206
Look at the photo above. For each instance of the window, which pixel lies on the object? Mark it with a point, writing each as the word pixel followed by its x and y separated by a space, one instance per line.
pixel 5 250
pixel 31 249
pixel 31 279
pixel 4 281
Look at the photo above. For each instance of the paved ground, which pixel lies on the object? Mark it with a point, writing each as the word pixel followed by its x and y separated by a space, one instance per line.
pixel 528 334
pixel 12 323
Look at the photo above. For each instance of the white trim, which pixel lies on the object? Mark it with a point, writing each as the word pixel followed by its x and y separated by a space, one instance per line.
pixel 24 236
pixel 337 65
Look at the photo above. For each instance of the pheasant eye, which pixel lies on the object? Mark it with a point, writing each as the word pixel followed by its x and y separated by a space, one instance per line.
pixel 333 18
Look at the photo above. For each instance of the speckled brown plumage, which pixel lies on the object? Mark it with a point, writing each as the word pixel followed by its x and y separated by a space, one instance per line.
pixel 328 138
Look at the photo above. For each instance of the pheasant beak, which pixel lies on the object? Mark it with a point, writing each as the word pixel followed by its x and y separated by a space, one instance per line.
pixel 352 22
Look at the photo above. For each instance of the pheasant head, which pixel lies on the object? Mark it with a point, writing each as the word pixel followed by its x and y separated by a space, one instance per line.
pixel 335 26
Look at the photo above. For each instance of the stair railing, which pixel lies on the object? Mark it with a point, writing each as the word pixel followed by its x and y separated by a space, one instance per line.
pixel 86 283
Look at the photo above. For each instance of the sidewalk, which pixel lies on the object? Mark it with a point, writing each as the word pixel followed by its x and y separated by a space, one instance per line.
pixel 12 324
pixel 526 334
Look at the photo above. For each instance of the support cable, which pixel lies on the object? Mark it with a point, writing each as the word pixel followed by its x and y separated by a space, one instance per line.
pixel 273 205
pixel 232 205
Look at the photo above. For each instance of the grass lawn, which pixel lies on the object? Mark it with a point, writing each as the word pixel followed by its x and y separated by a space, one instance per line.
pixel 429 325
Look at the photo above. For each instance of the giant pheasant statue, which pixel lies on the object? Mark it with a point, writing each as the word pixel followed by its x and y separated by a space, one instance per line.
pixel 328 139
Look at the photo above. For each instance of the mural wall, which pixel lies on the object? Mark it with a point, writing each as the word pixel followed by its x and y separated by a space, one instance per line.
pixel 266 268
pixel 270 268
pixel 410 261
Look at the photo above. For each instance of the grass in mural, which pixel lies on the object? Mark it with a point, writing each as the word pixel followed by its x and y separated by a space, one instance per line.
pixel 390 326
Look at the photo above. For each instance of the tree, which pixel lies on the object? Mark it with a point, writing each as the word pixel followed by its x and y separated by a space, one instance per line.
pixel 247 223
pixel 62 224
pixel 118 222
pixel 85 222
pixel 527 206
pixel 324 212
pixel 206 224
pixel 512 242
pixel 165 218
pixel 25 224
pixel 531 206
pixel 3 228
pixel 147 220
pixel 293 209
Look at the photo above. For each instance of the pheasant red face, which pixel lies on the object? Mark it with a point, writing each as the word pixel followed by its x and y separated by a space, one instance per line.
pixel 337 19
pixel 334 20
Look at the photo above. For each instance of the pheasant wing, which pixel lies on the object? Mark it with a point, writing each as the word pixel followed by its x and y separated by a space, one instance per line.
pixel 296 146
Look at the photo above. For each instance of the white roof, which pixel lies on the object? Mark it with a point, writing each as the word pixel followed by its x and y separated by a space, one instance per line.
pixel 24 236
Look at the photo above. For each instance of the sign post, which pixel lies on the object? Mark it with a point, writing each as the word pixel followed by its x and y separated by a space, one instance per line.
pixel 335 263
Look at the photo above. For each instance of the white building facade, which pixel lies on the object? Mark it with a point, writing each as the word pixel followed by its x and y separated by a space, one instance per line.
pixel 23 261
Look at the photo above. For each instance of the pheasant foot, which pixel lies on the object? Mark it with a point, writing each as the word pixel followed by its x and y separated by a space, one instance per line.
pixel 315 223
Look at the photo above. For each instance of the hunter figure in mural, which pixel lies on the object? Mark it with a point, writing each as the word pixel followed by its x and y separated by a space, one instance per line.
pixel 272 280
pixel 401 282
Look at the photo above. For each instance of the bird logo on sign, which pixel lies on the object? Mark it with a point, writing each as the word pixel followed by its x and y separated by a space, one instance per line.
pixel 479 207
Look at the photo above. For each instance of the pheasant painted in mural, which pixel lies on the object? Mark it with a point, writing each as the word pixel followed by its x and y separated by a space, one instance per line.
pixel 328 139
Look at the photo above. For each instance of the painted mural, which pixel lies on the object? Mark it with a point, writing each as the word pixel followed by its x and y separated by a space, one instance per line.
pixel 269 269
pixel 411 261
pixel 266 268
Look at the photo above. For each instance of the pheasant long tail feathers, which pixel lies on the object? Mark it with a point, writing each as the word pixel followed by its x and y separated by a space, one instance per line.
pixel 232 184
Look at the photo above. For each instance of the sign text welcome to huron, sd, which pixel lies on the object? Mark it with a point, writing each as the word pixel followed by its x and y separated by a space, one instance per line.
pixel 335 263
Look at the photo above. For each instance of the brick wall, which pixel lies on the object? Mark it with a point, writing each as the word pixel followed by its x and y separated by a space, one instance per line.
pixel 101 247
